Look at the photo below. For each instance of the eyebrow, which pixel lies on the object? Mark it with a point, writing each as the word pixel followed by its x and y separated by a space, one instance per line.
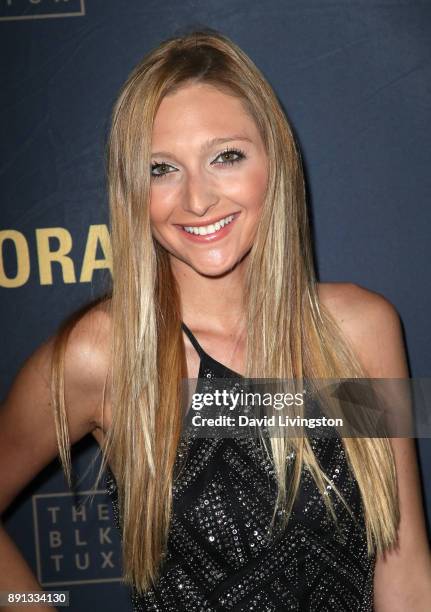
pixel 208 144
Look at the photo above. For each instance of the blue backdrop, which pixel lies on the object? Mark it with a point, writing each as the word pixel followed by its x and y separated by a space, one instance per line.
pixel 354 79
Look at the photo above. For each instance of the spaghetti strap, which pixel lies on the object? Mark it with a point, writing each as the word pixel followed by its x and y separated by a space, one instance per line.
pixel 193 340
pixel 221 370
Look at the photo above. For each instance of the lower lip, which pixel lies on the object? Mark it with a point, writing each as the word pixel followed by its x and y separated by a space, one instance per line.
pixel 217 235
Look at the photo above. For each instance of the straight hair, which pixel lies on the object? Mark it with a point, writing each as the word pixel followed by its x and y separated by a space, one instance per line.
pixel 281 301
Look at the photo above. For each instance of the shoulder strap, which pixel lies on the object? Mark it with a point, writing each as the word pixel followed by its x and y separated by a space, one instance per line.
pixel 193 340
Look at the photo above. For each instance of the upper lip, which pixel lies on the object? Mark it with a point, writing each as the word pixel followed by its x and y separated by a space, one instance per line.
pixel 203 223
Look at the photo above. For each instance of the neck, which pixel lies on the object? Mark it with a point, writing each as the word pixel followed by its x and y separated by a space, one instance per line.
pixel 215 303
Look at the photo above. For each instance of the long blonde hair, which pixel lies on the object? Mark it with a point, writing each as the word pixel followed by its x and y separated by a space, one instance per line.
pixel 281 302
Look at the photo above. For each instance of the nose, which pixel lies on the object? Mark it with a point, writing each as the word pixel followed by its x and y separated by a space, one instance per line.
pixel 199 195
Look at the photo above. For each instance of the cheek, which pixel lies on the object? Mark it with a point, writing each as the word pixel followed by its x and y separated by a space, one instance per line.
pixel 158 210
pixel 164 200
pixel 254 189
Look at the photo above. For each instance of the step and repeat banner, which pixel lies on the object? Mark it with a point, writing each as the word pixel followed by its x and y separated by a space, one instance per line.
pixel 354 79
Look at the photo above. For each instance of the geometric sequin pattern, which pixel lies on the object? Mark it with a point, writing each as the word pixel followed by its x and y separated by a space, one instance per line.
pixel 221 554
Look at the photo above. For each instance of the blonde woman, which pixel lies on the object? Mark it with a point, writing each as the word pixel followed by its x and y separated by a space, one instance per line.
pixel 213 277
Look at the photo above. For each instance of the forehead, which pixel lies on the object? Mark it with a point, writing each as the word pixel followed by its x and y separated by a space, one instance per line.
pixel 198 108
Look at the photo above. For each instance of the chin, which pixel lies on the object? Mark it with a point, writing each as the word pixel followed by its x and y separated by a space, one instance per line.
pixel 215 270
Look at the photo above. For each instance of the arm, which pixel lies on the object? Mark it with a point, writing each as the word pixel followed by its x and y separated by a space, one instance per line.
pixel 402 576
pixel 27 430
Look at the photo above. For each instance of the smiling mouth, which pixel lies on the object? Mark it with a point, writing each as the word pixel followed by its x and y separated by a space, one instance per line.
pixel 212 228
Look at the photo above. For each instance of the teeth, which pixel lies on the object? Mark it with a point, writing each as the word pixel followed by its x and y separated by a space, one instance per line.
pixel 208 229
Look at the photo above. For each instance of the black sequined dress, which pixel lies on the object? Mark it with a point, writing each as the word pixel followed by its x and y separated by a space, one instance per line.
pixel 220 556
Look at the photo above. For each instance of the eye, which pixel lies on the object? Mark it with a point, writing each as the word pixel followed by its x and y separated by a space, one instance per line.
pixel 228 154
pixel 157 166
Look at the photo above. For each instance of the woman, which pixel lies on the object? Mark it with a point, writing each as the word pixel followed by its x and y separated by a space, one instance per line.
pixel 213 276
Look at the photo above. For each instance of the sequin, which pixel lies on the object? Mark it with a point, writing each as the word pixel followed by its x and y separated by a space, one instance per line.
pixel 221 554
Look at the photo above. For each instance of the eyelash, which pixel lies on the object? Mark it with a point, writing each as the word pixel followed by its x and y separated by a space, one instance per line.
pixel 238 152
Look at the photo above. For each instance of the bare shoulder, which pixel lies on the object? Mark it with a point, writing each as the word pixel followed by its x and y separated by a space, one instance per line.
pixel 88 359
pixel 349 301
pixel 371 324
pixel 28 438
pixel 89 341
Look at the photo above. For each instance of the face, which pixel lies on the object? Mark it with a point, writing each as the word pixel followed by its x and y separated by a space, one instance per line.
pixel 209 174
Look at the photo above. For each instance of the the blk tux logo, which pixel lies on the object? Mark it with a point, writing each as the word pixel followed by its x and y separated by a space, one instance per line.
pixel 76 543
pixel 14 10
